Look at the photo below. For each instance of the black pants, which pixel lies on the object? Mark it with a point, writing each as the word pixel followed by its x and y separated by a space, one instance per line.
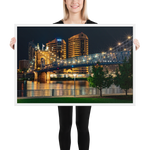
pixel 82 120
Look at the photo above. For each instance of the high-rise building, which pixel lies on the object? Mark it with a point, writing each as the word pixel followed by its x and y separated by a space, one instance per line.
pixel 78 46
pixel 31 50
pixel 57 48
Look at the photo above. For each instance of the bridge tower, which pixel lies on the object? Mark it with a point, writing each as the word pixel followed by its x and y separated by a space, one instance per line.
pixel 35 76
pixel 42 77
pixel 40 57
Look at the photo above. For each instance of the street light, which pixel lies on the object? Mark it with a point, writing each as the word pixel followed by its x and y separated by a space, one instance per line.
pixel 74 83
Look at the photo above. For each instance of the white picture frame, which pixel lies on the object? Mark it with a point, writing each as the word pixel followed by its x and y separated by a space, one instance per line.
pixel 133 105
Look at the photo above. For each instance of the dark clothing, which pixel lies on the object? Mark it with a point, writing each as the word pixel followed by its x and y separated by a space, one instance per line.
pixel 78 119
pixel 69 120
pixel 87 22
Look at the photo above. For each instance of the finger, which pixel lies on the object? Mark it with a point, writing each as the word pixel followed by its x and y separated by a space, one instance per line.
pixel 136 48
pixel 13 47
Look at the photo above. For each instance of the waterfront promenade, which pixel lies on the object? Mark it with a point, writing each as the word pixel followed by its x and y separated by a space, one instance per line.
pixel 78 96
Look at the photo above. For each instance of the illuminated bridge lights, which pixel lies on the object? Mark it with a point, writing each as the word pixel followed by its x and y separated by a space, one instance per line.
pixel 115 56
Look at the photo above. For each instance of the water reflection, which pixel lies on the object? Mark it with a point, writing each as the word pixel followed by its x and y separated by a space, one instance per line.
pixel 34 85
pixel 61 88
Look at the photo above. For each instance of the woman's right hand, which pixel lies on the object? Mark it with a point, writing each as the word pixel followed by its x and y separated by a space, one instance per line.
pixel 11 43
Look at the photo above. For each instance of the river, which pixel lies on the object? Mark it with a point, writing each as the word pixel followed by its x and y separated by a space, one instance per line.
pixel 60 88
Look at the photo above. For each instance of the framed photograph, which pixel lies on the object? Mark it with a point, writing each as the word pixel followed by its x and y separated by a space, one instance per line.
pixel 82 64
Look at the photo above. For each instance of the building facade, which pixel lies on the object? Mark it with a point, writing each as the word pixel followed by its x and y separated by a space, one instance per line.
pixel 31 50
pixel 57 49
pixel 78 46
pixel 23 64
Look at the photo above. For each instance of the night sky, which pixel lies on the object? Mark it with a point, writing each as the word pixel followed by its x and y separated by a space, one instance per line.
pixel 100 38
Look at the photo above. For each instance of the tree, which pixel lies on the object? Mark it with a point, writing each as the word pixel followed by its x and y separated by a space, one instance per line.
pixel 100 79
pixel 124 76
pixel 131 68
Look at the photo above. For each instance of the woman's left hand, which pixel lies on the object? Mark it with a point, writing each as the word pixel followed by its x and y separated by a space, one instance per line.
pixel 138 44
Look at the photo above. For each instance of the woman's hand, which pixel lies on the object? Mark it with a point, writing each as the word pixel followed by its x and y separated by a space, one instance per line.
pixel 10 43
pixel 138 44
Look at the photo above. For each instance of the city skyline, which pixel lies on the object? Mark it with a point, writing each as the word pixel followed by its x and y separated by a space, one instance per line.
pixel 100 38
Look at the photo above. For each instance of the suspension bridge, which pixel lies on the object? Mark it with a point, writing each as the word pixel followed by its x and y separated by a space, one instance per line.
pixel 114 56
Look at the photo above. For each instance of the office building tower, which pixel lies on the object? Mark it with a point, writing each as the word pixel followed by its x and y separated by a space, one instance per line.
pixel 31 50
pixel 57 48
pixel 78 46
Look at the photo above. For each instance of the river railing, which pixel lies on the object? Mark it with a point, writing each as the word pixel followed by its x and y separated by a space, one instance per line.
pixel 69 92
